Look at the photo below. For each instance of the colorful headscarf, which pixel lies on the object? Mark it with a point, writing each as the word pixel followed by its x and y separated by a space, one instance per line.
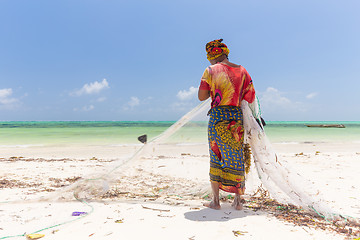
pixel 216 48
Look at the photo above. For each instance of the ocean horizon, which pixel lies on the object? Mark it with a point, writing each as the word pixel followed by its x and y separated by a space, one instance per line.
pixel 43 133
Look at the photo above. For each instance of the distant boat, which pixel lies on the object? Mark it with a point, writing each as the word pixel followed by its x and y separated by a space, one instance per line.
pixel 326 125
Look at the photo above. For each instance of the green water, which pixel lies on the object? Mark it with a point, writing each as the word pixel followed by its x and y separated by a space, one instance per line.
pixel 299 132
pixel 115 132
pixel 48 133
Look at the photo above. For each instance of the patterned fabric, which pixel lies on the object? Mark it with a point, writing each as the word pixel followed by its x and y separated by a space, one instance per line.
pixel 227 85
pixel 228 154
pixel 215 49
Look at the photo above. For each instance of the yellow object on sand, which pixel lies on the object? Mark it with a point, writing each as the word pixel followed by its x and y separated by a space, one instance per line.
pixel 34 236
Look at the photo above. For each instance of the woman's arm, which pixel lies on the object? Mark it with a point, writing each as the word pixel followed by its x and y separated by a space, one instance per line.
pixel 203 94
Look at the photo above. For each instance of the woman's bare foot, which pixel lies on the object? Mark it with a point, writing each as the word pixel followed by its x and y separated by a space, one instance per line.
pixel 237 203
pixel 212 205
pixel 215 203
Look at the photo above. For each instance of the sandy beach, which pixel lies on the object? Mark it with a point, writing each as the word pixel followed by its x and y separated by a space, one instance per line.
pixel 159 197
pixel 108 110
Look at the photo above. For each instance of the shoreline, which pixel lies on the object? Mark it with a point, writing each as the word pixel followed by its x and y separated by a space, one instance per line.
pixel 120 151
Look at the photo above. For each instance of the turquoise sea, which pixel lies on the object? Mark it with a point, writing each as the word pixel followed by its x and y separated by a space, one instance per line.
pixel 28 133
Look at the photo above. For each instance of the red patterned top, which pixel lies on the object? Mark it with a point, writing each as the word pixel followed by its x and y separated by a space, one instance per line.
pixel 227 85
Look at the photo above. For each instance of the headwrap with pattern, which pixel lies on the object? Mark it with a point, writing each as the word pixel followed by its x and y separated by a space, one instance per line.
pixel 215 49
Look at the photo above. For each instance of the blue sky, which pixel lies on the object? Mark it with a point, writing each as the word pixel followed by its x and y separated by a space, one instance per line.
pixel 142 60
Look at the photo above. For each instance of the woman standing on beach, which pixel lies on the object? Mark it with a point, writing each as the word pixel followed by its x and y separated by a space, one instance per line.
pixel 227 84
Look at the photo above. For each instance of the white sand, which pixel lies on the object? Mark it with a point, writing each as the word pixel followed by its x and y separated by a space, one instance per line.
pixel 333 168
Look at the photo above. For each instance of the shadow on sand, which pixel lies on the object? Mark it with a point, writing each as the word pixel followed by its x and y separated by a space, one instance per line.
pixel 226 213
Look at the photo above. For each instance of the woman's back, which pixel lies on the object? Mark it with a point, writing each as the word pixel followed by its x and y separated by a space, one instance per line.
pixel 228 84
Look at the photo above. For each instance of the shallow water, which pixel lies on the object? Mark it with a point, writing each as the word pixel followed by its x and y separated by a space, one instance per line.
pixel 288 132
pixel 44 133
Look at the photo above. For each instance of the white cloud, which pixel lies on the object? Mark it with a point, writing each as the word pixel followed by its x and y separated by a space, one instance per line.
pixel 182 107
pixel 101 99
pixel 6 101
pixel 85 108
pixel 6 92
pixel 134 101
pixel 272 96
pixel 272 100
pixel 184 95
pixel 92 88
pixel 88 108
pixel 311 95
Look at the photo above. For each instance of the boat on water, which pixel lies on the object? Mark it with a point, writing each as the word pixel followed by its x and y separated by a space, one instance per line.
pixel 326 125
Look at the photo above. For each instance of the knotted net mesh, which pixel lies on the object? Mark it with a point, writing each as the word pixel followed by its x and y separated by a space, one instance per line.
pixel 175 164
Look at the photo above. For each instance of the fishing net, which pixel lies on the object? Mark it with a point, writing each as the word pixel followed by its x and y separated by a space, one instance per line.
pixel 175 164
pixel 173 167
pixel 172 164
pixel 284 184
